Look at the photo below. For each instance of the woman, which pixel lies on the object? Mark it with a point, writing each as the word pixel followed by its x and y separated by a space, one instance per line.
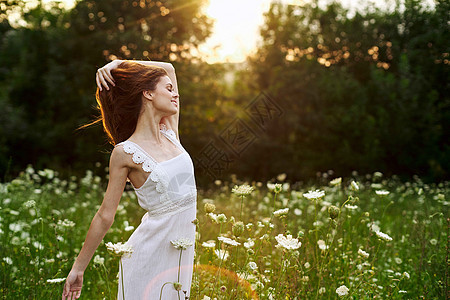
pixel 139 106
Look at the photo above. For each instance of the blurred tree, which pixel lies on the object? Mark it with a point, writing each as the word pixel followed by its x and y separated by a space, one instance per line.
pixel 48 71
pixel 366 93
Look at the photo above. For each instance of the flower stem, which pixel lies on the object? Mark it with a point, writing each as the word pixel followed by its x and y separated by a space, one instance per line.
pixel 179 266
pixel 242 202
pixel 106 278
pixel 160 294
pixel 121 272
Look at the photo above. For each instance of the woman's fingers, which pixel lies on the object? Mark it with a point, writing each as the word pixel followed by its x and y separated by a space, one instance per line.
pixel 102 79
pixel 109 77
pixel 97 79
pixel 66 291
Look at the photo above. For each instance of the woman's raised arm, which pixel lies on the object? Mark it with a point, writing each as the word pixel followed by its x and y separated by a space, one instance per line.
pixel 104 76
pixel 101 222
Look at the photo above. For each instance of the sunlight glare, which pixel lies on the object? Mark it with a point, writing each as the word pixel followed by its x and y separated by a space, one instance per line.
pixel 235 30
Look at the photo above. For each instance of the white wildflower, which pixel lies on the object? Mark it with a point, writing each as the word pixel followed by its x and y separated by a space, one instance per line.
pixel 249 244
pixel 38 245
pixel 398 260
pixel 228 241
pixel 252 265
pixel 363 253
pixel 15 227
pixel 336 181
pixel 354 186
pixel 221 218
pixel 376 185
pixel 275 187
pixel 374 227
pixel 377 174
pixel 352 207
pixel 119 248
pixel 307 265
pixel 8 260
pixel 281 212
pixel 66 223
pixel 382 192
pixel 182 243
pixel 29 204
pixel 281 177
pixel 383 236
pixel 433 242
pixel 314 195
pixel 56 280
pixel 322 245
pixel 342 290
pixel 129 228
pixel 99 260
pixel 222 254
pixel 402 292
pixel 242 190
pixel 213 217
pixel 297 212
pixel 209 244
pixel 322 290
pixel 287 242
pixel 406 275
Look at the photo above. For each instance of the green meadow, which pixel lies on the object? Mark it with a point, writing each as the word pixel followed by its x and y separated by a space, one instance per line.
pixel 363 237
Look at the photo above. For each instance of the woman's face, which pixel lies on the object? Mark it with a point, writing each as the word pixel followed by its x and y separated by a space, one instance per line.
pixel 165 99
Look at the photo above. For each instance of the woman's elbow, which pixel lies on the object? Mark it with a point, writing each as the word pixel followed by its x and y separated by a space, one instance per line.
pixel 107 218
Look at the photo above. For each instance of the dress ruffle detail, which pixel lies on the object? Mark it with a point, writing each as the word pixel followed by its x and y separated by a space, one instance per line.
pixel 157 175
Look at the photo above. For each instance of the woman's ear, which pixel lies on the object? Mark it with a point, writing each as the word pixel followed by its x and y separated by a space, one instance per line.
pixel 148 95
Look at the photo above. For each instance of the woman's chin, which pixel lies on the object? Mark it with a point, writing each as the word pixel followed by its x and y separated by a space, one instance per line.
pixel 172 112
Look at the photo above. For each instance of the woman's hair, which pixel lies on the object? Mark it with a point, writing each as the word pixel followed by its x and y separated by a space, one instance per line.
pixel 120 106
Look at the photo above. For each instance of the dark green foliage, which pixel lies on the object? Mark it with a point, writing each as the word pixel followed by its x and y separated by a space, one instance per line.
pixel 380 105
pixel 360 93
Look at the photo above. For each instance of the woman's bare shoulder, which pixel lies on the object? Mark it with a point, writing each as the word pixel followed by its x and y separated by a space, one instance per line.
pixel 119 158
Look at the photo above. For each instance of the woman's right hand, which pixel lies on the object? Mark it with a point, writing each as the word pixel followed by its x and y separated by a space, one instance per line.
pixel 104 74
pixel 73 285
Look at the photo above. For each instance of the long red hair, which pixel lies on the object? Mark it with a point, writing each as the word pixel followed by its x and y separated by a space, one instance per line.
pixel 121 105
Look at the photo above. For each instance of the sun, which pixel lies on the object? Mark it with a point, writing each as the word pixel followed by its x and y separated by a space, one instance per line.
pixel 235 29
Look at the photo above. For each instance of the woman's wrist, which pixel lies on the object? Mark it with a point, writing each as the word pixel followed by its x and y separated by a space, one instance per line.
pixel 117 62
pixel 76 268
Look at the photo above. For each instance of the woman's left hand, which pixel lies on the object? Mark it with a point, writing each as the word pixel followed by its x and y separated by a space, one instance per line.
pixel 104 76
pixel 73 285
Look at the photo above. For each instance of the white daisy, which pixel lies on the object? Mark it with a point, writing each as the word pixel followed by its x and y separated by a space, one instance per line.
pixel 228 241
pixel 314 195
pixel 342 290
pixel 287 242
pixel 182 243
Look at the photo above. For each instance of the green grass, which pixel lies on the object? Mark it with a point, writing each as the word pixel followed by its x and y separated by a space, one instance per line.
pixel 41 239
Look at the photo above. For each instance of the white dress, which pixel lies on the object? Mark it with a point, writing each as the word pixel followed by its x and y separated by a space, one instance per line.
pixel 169 195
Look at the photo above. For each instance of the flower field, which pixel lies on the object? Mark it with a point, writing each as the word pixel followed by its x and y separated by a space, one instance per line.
pixel 362 237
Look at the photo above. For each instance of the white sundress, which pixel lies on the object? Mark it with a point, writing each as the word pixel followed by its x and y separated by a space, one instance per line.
pixel 169 195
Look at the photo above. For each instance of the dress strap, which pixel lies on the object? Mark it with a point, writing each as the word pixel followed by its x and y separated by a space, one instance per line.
pixel 170 134
pixel 149 164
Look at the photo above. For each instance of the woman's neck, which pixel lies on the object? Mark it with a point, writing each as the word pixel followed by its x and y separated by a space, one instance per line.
pixel 147 128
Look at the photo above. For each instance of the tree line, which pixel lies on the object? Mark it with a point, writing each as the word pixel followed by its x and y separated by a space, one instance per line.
pixel 367 92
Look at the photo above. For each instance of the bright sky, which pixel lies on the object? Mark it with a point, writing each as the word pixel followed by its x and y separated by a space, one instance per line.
pixel 236 32
pixel 236 28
